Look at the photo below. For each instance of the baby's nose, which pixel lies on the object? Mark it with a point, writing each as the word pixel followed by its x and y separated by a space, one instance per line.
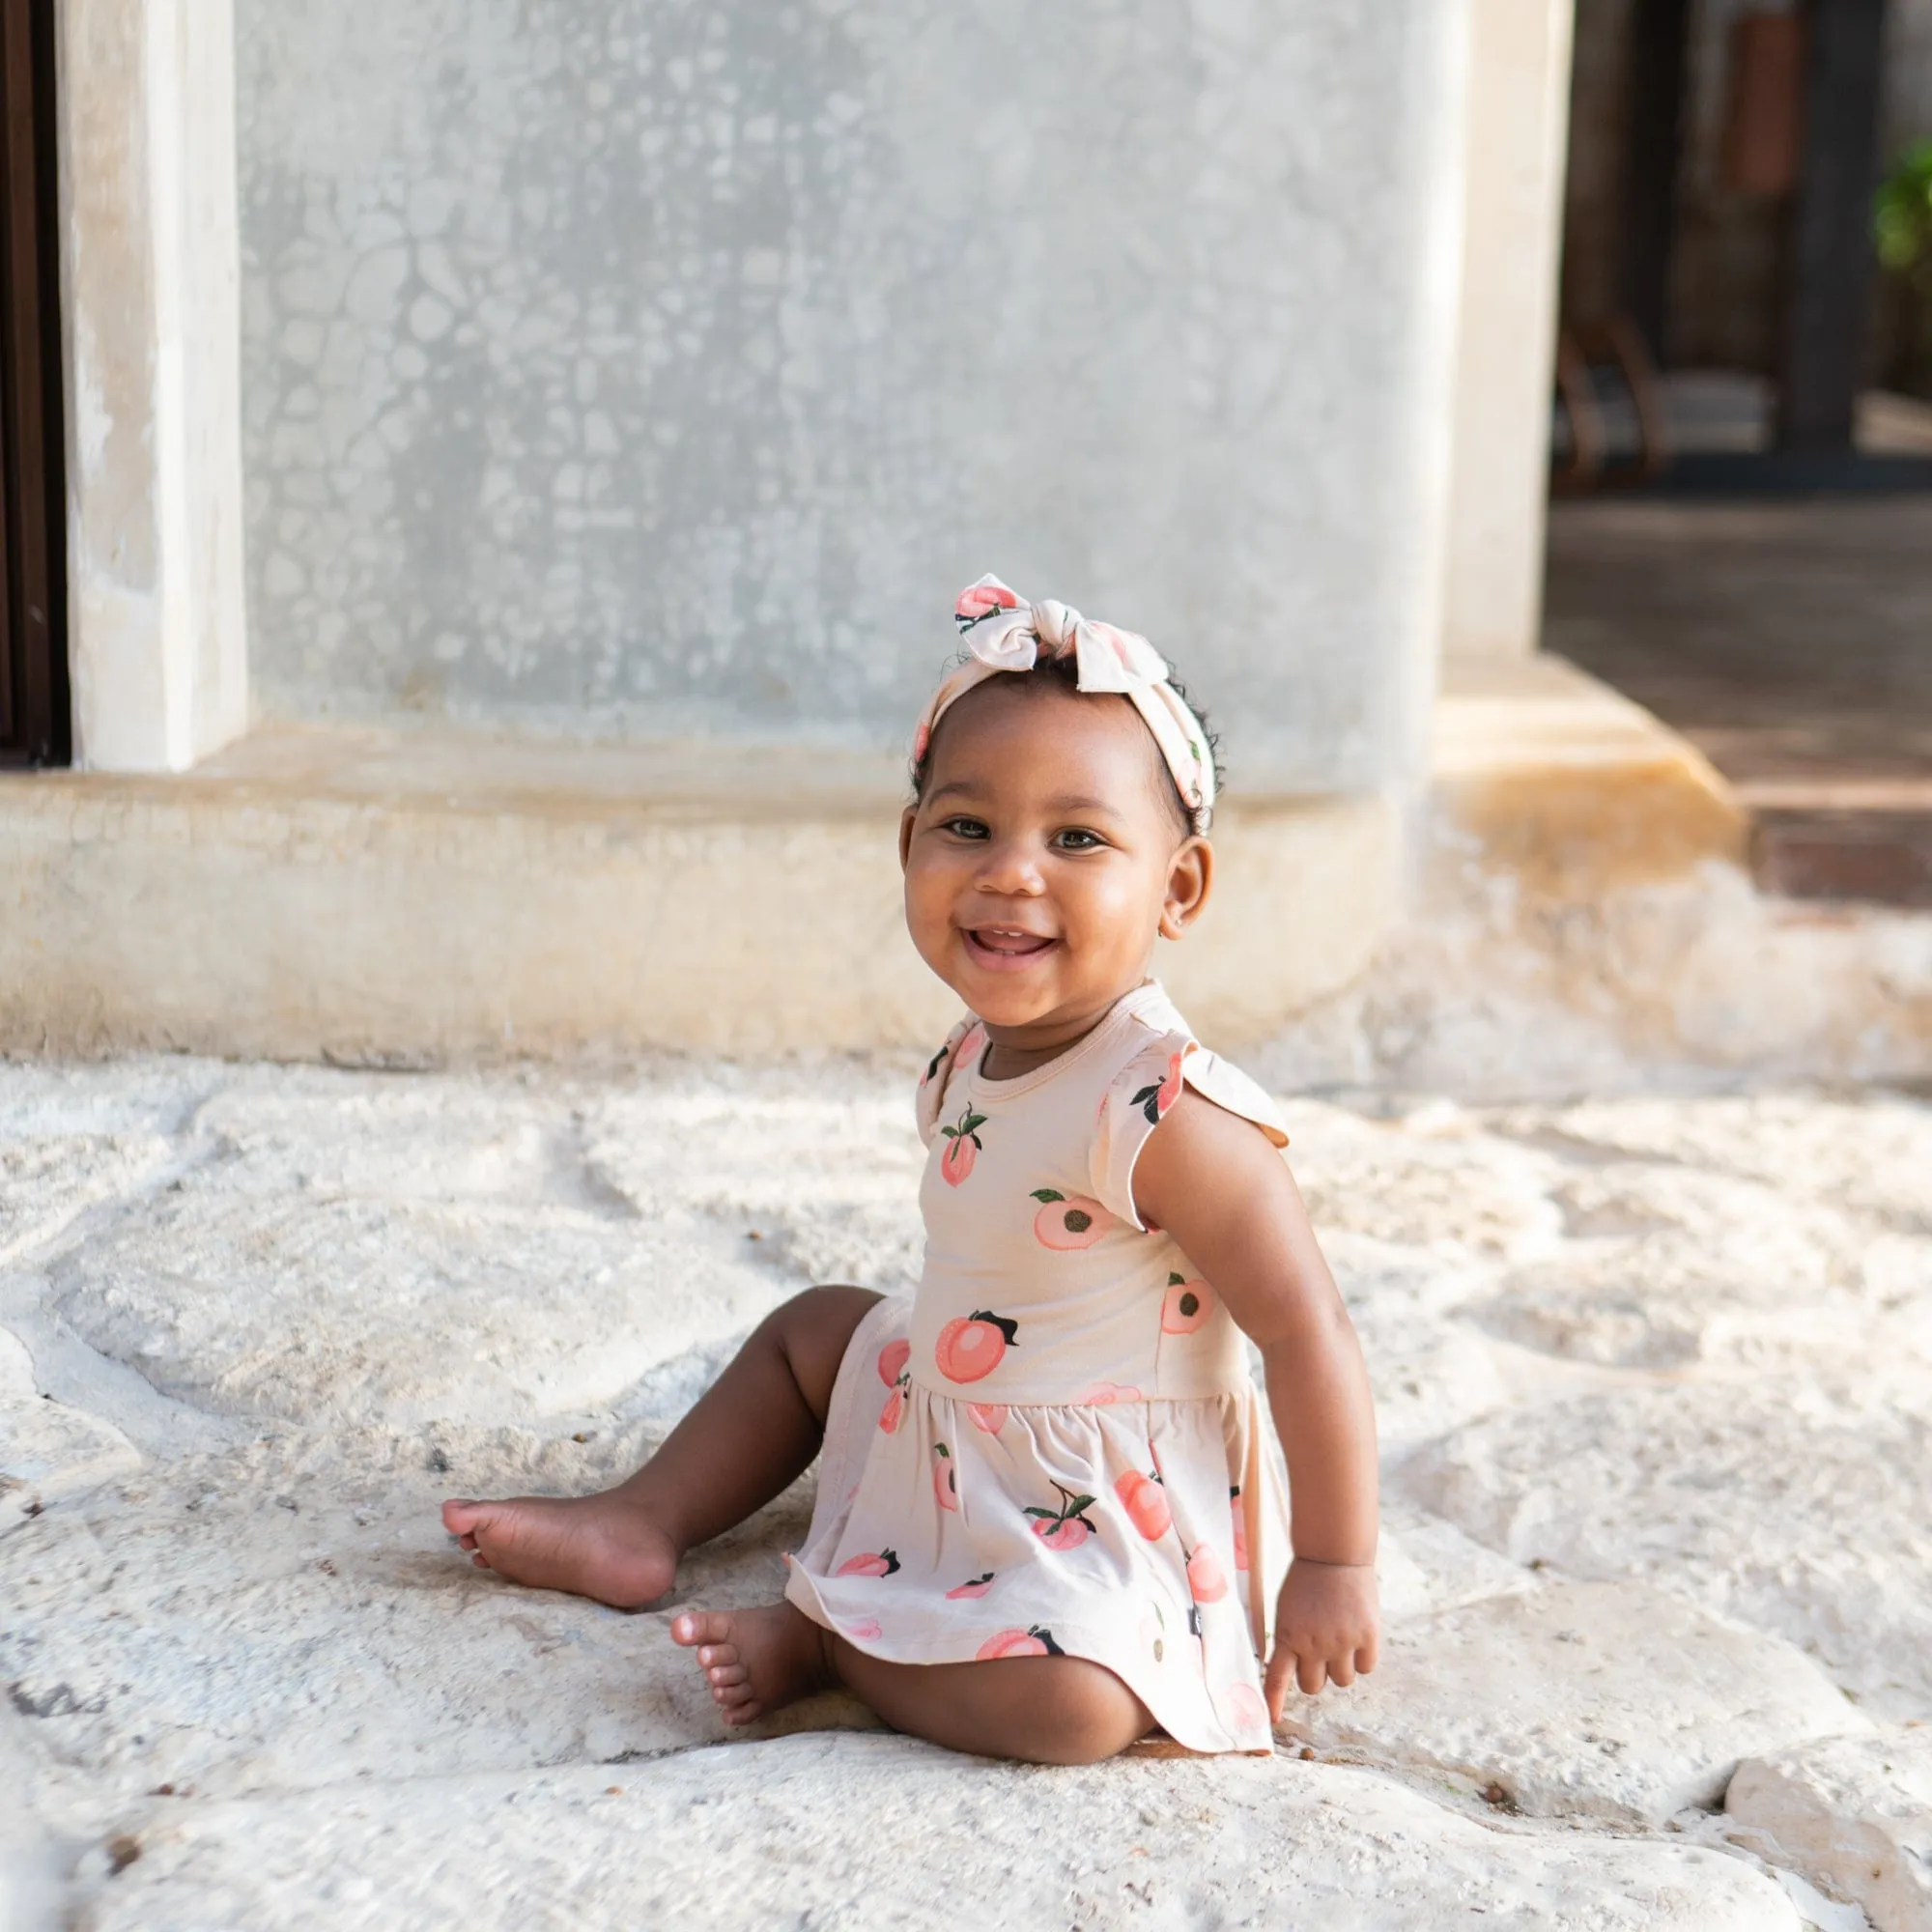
pixel 1009 868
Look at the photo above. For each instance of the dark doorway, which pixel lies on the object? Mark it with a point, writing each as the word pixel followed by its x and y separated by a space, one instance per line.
pixel 1758 571
pixel 1728 327
pixel 35 726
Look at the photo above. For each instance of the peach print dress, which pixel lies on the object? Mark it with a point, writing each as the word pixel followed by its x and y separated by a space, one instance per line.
pixel 1056 1445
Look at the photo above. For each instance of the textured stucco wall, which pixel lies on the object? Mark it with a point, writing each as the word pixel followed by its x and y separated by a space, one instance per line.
pixel 668 366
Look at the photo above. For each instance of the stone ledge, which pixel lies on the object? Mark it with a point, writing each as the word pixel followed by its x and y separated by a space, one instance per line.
pixel 405 896
pixel 397 897
pixel 1572 787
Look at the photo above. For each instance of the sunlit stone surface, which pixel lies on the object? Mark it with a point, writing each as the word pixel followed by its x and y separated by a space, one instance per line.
pixel 1654 1379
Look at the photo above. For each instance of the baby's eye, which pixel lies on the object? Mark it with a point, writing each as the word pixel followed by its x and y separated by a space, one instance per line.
pixel 1076 839
pixel 965 828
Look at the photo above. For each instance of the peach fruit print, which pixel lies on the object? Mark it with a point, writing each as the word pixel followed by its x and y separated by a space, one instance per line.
pixel 1240 1517
pixel 970 1346
pixel 945 1477
pixel 1068 1221
pixel 1185 1305
pixel 867 1629
pixel 990 1417
pixel 869 1563
pixel 1243 1708
pixel 1033 1642
pixel 1145 1500
pixel 1155 1101
pixel 893 1361
pixel 974 1586
pixel 984 599
pixel 1069 1526
pixel 962 1147
pixel 1205 1577
pixel 969 1041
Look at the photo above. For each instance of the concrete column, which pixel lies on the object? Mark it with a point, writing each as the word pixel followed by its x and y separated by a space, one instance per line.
pixel 151 304
pixel 1512 232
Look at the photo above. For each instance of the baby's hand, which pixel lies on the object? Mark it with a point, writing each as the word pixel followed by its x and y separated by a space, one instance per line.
pixel 1327 1627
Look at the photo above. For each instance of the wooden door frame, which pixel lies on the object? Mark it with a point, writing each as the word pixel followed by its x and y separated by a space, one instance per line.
pixel 35 724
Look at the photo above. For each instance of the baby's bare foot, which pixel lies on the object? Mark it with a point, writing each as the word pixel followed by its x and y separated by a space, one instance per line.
pixel 756 1661
pixel 602 1546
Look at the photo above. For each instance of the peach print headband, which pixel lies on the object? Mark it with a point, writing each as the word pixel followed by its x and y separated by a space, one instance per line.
pixel 1002 633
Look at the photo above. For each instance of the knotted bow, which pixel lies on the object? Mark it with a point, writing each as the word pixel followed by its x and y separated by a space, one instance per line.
pixel 1005 632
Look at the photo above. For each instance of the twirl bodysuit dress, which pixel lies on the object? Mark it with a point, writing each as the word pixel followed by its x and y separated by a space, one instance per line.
pixel 1056 1446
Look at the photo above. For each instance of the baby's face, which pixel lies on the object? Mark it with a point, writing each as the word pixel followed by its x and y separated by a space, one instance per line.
pixel 1045 856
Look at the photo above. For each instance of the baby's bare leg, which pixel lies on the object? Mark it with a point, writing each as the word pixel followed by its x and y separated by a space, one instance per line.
pixel 752 1432
pixel 1047 1710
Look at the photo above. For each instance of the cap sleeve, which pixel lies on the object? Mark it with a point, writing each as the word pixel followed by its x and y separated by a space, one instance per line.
pixel 1140 1095
pixel 929 1102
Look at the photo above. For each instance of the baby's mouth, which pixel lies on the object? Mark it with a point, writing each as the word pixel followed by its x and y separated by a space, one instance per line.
pixel 1006 946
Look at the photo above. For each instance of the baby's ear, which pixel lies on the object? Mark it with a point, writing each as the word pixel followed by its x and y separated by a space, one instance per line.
pixel 906 818
pixel 1190 883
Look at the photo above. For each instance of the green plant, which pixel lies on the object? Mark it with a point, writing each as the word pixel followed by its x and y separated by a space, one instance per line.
pixel 1902 217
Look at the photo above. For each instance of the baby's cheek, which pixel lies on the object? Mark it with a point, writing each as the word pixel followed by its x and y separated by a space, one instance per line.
pixel 1113 918
pixel 928 902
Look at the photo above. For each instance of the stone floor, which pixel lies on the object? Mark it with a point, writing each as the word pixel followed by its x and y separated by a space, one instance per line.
pixel 1655 1380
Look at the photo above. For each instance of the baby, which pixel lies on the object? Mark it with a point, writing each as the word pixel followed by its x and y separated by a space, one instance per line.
pixel 1049 1515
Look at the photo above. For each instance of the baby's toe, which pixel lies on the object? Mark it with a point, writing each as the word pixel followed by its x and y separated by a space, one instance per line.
pixel 478 1560
pixel 695 1627
pixel 724 1676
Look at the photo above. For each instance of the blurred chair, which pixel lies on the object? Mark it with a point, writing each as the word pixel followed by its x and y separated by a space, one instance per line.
pixel 1608 394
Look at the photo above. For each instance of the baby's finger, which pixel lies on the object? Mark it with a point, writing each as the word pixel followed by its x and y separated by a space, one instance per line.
pixel 1275 1685
pixel 1342 1671
pixel 1369 1654
pixel 1311 1674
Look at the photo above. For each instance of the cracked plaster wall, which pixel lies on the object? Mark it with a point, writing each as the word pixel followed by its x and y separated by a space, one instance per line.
pixel 664 367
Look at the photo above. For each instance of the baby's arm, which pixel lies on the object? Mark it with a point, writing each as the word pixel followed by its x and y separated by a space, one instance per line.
pixel 1214 1182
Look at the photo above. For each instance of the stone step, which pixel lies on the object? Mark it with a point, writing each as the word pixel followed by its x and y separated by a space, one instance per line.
pixel 393 897
pixel 1869 855
pixel 1786 641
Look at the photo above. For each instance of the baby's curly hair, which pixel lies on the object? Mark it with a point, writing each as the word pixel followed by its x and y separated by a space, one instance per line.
pixel 1063 670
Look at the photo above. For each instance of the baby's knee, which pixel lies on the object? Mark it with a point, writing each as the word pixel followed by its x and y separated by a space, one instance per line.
pixel 1083 1714
pixel 813 1312
pixel 811 1331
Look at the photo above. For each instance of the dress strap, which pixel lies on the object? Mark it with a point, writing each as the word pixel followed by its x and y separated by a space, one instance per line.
pixel 1140 1096
pixel 965 1040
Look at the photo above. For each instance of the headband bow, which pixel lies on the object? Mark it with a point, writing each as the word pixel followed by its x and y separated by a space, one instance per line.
pixel 1004 632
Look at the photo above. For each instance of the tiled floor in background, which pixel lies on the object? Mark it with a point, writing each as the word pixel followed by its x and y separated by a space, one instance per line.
pixel 1792 642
